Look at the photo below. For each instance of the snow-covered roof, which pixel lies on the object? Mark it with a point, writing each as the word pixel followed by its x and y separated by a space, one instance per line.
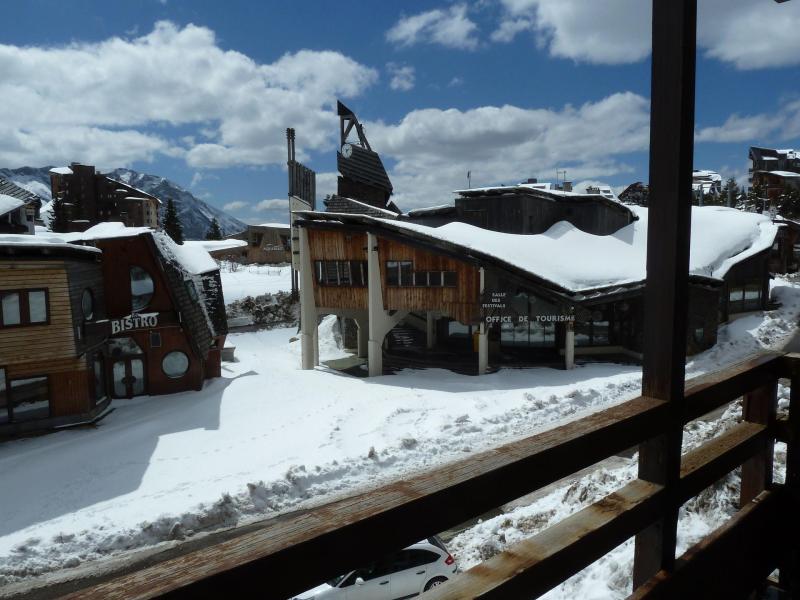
pixel 43 240
pixel 213 245
pixel 577 261
pixel 705 174
pixel 109 230
pixel 784 173
pixel 274 225
pixel 194 259
pixel 417 212
pixel 9 203
pixel 61 170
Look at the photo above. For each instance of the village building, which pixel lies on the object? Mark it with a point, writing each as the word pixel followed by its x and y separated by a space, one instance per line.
pixel 112 312
pixel 19 208
pixel 90 197
pixel 532 273
pixel 52 369
pixel 774 170
pixel 268 243
pixel 479 296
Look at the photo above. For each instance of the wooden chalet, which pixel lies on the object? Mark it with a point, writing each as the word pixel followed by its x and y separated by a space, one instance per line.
pixel 267 243
pixel 112 312
pixel 52 367
pixel 19 208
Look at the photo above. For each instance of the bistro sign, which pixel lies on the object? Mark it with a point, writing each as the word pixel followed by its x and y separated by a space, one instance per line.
pixel 137 321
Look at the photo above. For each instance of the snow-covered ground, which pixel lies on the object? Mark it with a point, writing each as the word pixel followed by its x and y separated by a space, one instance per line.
pixel 253 280
pixel 267 437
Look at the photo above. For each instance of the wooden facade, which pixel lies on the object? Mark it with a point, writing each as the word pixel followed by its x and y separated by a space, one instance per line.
pixel 50 365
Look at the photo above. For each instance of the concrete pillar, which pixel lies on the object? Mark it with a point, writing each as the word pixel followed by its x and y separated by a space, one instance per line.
pixel 363 337
pixel 430 330
pixel 309 340
pixel 375 307
pixel 569 346
pixel 483 337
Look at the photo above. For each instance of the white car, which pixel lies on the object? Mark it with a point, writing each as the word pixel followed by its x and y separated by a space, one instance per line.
pixel 400 575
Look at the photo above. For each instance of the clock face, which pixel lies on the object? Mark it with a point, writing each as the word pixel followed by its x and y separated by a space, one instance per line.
pixel 347 151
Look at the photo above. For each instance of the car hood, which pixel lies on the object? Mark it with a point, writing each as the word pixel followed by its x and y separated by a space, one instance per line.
pixel 324 587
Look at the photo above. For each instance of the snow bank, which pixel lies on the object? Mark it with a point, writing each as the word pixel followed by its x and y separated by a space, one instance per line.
pixel 579 261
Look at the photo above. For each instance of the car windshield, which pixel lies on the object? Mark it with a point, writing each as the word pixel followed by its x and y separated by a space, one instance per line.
pixel 337 580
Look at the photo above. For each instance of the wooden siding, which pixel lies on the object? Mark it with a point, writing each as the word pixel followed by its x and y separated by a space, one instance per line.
pixel 460 302
pixel 338 245
pixel 83 276
pixel 39 343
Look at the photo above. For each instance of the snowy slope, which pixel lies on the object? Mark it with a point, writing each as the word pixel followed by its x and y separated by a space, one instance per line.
pixel 195 214
pixel 268 437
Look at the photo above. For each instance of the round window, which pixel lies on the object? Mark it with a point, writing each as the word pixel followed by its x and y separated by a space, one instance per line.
pixel 175 364
pixel 87 304
pixel 141 288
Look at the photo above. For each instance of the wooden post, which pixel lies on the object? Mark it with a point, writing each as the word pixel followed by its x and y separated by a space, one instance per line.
pixel 759 407
pixel 483 338
pixel 790 565
pixel 666 294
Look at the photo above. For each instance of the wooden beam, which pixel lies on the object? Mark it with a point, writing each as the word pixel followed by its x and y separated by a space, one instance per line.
pixel 759 407
pixel 674 30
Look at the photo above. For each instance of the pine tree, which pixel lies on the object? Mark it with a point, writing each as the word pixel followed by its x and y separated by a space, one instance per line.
pixel 214 232
pixel 730 187
pixel 59 221
pixel 789 203
pixel 172 223
pixel 756 196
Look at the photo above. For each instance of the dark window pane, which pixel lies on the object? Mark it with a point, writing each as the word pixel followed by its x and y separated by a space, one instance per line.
pixel 155 339
pixel 3 397
pixel 406 270
pixel 435 278
pixel 87 304
pixel 11 314
pixel 142 288
pixel 421 278
pixel 29 399
pixel 318 269
pixel 37 306
pixel 345 277
pixel 392 273
pixel 450 279
pixel 331 274
pixel 600 333
pixel 422 557
pixel 99 379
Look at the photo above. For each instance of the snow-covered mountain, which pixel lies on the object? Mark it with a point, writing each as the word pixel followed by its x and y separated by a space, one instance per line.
pixel 195 214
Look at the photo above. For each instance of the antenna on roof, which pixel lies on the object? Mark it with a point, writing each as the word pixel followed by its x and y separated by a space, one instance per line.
pixel 469 180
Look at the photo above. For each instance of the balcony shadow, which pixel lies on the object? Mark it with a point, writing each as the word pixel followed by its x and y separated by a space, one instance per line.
pixel 61 473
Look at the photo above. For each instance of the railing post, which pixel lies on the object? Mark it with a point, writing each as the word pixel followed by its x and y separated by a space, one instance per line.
pixel 790 566
pixel 759 407
pixel 666 293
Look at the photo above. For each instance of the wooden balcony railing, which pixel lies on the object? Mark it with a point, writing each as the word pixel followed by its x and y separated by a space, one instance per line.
pixel 287 555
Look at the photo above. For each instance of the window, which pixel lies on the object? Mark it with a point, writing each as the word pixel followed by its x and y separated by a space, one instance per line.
pixel 341 272
pixel 87 304
pixel 99 379
pixel 29 399
pixel 4 416
pixel 155 339
pixel 23 307
pixel 124 346
pixel 401 274
pixel 11 309
pixel 141 288
pixel 175 364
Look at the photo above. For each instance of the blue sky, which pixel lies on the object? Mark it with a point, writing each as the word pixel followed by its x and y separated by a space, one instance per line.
pixel 201 92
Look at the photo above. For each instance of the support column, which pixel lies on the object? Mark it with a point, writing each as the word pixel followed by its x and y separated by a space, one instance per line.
pixel 309 343
pixel 569 346
pixel 363 337
pixel 483 337
pixel 375 304
pixel 430 330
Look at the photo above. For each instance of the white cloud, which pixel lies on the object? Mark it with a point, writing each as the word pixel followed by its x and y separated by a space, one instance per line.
pixel 235 205
pixel 456 81
pixel 748 34
pixel 273 204
pixel 777 126
pixel 403 77
pixel 434 149
pixel 451 28
pixel 95 102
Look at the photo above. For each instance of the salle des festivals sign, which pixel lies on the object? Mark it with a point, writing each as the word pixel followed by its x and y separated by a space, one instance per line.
pixel 137 321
